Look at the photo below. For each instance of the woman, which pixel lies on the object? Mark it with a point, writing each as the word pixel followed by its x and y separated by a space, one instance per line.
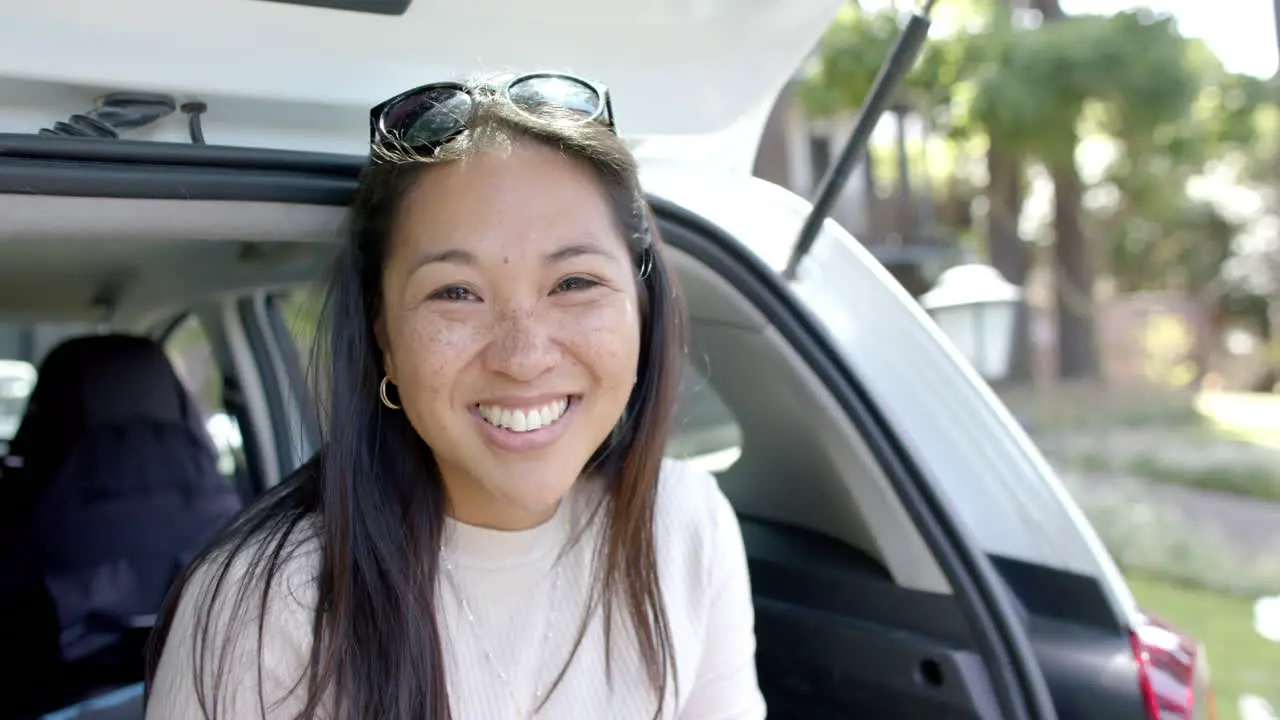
pixel 489 530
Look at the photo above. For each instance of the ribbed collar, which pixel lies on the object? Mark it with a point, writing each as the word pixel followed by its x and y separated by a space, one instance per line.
pixel 479 547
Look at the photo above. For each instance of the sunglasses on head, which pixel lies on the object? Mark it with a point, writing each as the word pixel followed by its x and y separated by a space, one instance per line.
pixel 425 118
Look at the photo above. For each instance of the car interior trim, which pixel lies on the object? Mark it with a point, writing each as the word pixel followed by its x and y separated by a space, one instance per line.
pixel 978 587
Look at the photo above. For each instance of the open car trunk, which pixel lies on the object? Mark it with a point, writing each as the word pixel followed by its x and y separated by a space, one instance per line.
pixel 693 80
pixel 854 617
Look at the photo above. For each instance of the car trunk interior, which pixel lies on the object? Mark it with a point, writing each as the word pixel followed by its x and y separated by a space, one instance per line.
pixel 854 615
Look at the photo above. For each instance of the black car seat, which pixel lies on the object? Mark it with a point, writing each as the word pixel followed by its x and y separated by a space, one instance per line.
pixel 112 488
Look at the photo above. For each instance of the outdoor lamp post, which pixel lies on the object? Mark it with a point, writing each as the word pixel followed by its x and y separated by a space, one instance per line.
pixel 977 308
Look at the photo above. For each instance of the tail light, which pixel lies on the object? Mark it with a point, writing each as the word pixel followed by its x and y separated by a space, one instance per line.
pixel 1173 673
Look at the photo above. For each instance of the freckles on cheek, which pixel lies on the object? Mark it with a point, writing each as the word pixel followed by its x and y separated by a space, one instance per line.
pixel 610 339
pixel 433 350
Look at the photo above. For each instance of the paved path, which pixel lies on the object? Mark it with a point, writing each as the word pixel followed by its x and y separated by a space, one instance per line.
pixel 1249 525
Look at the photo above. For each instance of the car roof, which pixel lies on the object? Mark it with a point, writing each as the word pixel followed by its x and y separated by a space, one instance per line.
pixel 288 75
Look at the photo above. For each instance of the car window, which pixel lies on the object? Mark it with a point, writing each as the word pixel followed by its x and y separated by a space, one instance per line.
pixel 17 378
pixel 191 354
pixel 704 431
pixel 300 310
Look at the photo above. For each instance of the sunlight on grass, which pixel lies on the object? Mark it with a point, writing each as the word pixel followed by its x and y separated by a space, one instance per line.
pixel 1240 660
pixel 1251 417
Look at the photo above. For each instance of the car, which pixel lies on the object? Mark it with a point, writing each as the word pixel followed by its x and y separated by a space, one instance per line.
pixel 179 170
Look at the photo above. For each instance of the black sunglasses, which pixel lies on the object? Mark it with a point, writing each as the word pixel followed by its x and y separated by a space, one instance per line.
pixel 425 118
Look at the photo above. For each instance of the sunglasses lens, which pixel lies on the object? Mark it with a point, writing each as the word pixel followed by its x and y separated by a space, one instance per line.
pixel 535 93
pixel 429 116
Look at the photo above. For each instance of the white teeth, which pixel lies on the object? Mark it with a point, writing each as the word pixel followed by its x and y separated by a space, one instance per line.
pixel 524 419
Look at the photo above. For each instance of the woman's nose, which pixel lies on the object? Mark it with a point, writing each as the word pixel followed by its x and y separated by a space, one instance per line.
pixel 522 346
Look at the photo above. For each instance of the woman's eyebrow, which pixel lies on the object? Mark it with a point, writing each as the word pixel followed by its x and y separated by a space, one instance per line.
pixel 458 256
pixel 578 248
pixel 453 256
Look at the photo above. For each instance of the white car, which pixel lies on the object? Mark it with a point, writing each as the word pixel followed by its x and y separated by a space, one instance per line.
pixel 912 554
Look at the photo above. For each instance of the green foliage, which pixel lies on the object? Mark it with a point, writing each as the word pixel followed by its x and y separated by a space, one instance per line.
pixel 1215 111
pixel 1231 104
pixel 1159 238
pixel 850 55
pixel 1145 76
pixel 1029 86
pixel 1033 85
pixel 1173 246
pixel 1166 101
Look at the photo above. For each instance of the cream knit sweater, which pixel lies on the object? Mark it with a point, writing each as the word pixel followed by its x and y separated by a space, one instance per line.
pixel 512 603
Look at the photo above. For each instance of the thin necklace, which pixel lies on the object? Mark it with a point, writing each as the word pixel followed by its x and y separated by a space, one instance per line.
pixel 545 635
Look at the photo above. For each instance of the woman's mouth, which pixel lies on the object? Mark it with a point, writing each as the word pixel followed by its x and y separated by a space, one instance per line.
pixel 525 419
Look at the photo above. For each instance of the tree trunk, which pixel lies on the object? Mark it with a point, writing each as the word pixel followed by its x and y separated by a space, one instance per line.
pixel 869 201
pixel 1008 253
pixel 1007 250
pixel 1050 9
pixel 906 200
pixel 1273 314
pixel 1077 345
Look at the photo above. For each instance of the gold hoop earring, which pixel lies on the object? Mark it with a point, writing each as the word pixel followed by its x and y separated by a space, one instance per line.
pixel 382 393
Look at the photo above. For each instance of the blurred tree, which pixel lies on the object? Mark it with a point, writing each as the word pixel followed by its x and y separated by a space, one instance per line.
pixel 1155 236
pixel 1273 261
pixel 1005 184
pixel 1032 96
pixel 851 52
pixel 1031 89
pixel 939 89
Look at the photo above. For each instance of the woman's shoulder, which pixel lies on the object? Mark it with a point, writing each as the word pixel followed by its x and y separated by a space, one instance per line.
pixel 284 563
pixel 241 632
pixel 686 488
pixel 691 510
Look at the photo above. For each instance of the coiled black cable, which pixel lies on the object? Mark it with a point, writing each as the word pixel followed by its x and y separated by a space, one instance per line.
pixel 193 111
pixel 124 111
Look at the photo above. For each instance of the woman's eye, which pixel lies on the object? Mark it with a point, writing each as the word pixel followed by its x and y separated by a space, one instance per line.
pixel 454 293
pixel 576 282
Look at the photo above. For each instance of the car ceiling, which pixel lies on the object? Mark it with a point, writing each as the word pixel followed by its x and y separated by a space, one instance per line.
pixel 103 259
pixel 62 258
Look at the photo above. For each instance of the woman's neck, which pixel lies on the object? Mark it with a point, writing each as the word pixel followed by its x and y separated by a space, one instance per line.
pixel 483 545
pixel 495 516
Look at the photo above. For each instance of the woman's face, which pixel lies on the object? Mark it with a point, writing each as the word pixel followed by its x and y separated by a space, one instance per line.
pixel 510 327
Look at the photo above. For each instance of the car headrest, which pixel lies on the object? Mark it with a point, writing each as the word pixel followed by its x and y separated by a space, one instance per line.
pixel 102 380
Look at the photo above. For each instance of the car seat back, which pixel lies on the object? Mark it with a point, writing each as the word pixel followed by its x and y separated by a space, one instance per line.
pixel 120 490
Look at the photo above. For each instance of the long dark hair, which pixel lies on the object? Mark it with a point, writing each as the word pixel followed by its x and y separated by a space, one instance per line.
pixel 372 499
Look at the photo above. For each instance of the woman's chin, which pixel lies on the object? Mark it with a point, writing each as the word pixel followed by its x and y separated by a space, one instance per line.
pixel 516 496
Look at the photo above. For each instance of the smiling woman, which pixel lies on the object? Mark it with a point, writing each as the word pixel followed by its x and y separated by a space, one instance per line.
pixel 489 529
pixel 491 319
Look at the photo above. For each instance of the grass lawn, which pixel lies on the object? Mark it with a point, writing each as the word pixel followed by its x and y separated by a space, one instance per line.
pixel 1240 661
pixel 1235 438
